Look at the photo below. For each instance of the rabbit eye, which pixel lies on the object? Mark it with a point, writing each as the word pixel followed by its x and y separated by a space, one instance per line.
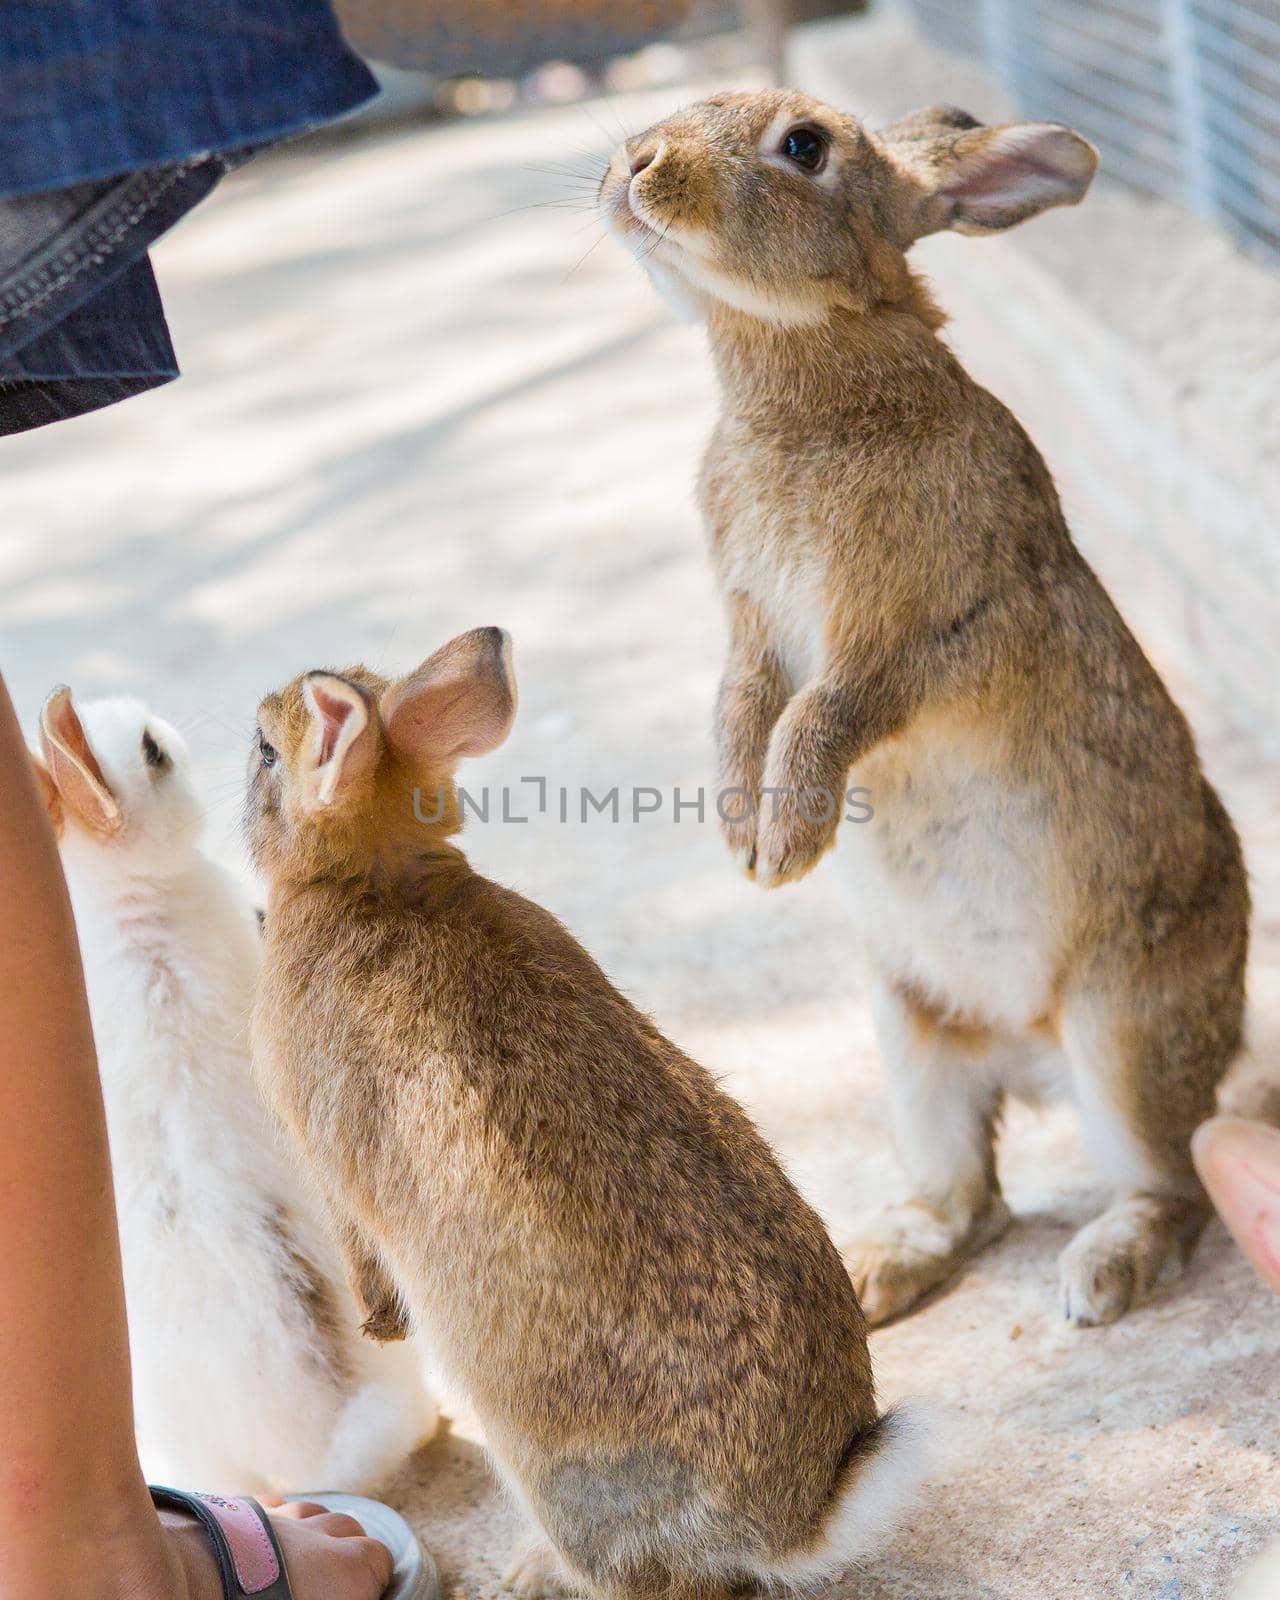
pixel 267 752
pixel 806 148
pixel 154 755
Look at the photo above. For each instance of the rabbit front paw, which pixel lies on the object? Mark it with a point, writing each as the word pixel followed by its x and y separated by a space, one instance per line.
pixel 387 1323
pixel 793 837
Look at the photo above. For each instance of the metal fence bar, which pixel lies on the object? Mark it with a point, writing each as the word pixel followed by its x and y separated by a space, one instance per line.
pixel 1182 96
pixel 1185 62
pixel 1220 78
pixel 1251 20
pixel 1241 161
pixel 1118 31
pixel 997 34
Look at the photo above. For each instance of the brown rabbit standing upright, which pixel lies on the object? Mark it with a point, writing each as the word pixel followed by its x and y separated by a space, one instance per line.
pixel 1052 893
pixel 659 1337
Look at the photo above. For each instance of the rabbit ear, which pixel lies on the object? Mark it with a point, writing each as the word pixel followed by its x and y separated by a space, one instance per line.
pixel 460 702
pixel 982 180
pixel 72 768
pixel 341 744
pixel 929 122
pixel 1239 1162
pixel 49 795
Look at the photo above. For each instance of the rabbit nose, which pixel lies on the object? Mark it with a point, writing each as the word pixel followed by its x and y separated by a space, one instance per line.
pixel 644 156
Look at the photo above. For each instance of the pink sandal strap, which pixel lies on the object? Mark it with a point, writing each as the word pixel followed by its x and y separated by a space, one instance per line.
pixel 244 1543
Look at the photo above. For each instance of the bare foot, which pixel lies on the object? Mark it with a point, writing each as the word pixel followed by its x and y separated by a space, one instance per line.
pixel 326 1555
pixel 1239 1162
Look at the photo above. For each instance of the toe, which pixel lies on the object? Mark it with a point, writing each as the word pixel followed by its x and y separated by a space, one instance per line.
pixel 1097 1287
pixel 296 1510
pixel 320 1519
pixel 374 1558
pixel 338 1525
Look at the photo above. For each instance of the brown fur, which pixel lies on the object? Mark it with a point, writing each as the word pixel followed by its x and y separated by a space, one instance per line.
pixel 318 1293
pixel 904 598
pixel 656 1331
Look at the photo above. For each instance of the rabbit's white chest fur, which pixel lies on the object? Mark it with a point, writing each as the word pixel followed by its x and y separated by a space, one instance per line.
pixel 952 875
pixel 787 582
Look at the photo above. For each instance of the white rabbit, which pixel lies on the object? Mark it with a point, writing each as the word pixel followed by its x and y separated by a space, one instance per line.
pixel 249 1369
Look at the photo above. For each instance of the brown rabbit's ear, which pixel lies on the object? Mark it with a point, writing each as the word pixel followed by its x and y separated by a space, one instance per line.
pixel 341 745
pixel 929 122
pixel 460 702
pixel 72 769
pixel 49 795
pixel 981 180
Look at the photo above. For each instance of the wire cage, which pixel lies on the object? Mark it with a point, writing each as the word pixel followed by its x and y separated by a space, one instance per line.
pixel 1181 96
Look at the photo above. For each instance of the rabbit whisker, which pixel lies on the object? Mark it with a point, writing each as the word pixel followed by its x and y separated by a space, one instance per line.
pixel 595 244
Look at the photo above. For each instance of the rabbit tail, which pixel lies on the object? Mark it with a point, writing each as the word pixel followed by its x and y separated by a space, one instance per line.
pixel 381 1424
pixel 875 1490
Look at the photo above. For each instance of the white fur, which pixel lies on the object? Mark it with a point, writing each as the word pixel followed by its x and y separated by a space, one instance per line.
pixel 953 878
pixel 234 1385
pixel 681 297
pixel 789 589
pixel 939 1103
pixel 1110 1140
pixel 871 1509
pixel 783 311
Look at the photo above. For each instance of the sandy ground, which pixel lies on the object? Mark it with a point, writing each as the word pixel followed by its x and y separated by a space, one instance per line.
pixel 406 412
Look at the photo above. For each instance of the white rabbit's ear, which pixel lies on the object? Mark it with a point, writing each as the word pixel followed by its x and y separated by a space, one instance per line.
pixel 72 769
pixel 49 795
pixel 974 179
pixel 1239 1162
pixel 340 747
pixel 460 702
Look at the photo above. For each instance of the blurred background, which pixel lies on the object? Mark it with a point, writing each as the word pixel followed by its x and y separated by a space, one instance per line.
pixel 422 392
pixel 1182 98
pixel 1182 93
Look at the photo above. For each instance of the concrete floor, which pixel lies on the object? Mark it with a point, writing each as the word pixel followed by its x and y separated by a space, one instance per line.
pixel 405 412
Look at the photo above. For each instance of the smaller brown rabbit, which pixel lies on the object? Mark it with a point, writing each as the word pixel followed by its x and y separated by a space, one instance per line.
pixel 658 1335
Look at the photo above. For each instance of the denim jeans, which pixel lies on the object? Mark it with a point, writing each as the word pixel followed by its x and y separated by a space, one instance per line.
pixel 116 117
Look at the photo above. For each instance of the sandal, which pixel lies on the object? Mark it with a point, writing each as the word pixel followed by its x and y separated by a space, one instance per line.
pixel 248 1552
